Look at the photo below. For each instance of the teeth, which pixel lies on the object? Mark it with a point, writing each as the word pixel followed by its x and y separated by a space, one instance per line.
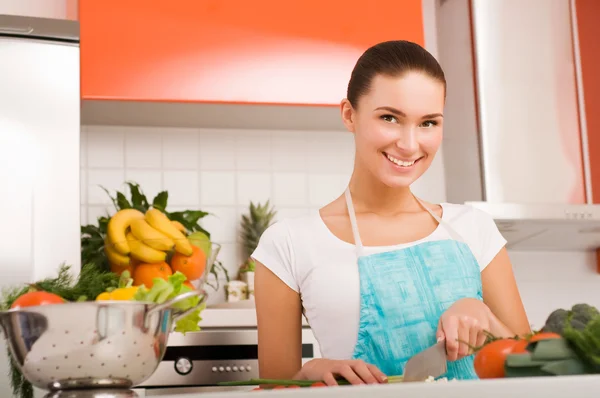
pixel 399 162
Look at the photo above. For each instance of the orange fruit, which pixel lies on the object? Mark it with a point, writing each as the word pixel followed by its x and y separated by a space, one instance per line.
pixel 144 273
pixel 189 284
pixel 191 266
pixel 119 269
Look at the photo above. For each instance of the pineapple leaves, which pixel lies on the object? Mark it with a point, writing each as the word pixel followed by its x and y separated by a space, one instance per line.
pixel 259 218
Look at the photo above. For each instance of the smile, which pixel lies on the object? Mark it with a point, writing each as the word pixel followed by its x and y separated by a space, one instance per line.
pixel 400 162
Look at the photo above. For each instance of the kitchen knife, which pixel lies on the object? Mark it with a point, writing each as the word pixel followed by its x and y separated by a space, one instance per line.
pixel 430 362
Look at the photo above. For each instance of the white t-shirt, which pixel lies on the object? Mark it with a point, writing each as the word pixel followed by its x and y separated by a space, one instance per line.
pixel 311 260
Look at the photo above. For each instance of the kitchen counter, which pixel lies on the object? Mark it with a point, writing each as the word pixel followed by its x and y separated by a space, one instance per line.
pixel 547 387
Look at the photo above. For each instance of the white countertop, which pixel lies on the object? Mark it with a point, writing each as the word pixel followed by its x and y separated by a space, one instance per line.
pixel 546 387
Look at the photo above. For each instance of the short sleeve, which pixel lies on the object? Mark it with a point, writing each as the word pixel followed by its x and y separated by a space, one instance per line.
pixel 275 252
pixel 489 240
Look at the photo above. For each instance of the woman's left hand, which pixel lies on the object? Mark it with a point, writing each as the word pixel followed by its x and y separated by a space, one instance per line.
pixel 466 321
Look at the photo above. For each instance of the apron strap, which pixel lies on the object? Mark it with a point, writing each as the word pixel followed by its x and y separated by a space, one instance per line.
pixel 352 215
pixel 453 234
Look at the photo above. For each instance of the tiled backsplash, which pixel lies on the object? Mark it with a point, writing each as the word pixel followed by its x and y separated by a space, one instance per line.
pixel 220 171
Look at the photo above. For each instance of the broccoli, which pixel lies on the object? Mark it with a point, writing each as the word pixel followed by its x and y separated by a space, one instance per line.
pixel 578 317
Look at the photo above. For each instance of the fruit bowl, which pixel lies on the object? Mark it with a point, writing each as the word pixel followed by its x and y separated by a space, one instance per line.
pixel 150 245
pixel 145 261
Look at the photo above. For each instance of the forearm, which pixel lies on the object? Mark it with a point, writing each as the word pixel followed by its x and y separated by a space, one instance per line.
pixel 499 329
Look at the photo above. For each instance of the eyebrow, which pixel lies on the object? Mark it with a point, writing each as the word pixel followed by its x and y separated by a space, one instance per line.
pixel 400 113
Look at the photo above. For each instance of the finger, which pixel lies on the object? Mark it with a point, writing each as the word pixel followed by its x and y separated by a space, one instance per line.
pixel 481 338
pixel 463 337
pixel 450 329
pixel 361 369
pixel 379 375
pixel 348 373
pixel 473 336
pixel 439 334
pixel 329 380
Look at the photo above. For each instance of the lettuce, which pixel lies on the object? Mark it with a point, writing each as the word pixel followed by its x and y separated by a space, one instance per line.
pixel 164 290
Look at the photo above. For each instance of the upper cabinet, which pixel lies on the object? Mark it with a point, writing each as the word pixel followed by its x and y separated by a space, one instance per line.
pixel 259 51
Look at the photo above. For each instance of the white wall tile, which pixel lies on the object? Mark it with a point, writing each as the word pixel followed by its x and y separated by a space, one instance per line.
pixel 180 149
pixel 150 181
pixel 323 188
pixel 143 148
pixel 183 187
pixel 222 223
pixel 228 255
pixel 105 147
pixel 332 152
pixel 94 212
pixel 217 150
pixel 112 180
pixel 217 188
pixel 83 214
pixel 290 189
pixel 253 151
pixel 290 151
pixel 255 187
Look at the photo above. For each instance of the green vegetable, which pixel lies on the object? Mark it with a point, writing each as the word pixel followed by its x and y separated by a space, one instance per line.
pixel 164 290
pixel 577 317
pixel 586 342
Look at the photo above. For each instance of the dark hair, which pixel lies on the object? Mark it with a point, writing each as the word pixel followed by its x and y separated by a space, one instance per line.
pixel 391 58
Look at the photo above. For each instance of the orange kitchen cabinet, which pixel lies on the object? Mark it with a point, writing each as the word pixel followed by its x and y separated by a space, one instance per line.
pixel 588 29
pixel 259 51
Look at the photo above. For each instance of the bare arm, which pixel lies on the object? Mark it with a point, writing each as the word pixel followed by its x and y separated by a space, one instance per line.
pixel 501 295
pixel 279 316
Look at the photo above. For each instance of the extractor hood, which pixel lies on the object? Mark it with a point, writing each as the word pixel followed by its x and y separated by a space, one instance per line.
pixel 515 140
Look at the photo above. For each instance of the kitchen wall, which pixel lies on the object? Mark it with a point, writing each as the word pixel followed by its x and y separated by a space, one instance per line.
pixel 221 171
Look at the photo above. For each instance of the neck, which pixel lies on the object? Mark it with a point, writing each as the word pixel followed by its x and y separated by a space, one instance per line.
pixel 372 196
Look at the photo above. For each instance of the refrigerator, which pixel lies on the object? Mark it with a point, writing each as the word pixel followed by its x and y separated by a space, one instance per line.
pixel 39 152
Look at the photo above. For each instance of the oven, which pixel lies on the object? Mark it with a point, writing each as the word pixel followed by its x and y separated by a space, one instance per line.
pixel 198 361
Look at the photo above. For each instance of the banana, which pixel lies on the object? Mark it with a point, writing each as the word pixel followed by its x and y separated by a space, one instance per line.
pixel 142 252
pixel 160 221
pixel 150 236
pixel 113 256
pixel 179 226
pixel 117 226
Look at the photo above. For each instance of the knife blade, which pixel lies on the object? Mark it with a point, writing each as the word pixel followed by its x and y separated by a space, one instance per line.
pixel 429 362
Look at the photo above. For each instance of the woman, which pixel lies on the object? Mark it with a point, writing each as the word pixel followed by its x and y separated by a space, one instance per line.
pixel 379 274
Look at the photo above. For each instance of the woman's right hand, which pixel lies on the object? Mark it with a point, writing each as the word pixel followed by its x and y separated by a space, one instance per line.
pixel 354 371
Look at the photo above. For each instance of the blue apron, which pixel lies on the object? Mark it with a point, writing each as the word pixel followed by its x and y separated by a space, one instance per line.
pixel 403 294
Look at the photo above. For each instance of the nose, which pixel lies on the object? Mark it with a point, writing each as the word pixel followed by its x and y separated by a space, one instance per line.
pixel 407 141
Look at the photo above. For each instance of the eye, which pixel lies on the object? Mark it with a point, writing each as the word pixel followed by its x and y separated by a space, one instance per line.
pixel 389 118
pixel 429 123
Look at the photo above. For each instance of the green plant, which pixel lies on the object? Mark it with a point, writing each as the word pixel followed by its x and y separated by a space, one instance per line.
pixel 254 224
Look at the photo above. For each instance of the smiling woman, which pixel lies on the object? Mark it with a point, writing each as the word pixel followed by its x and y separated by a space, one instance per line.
pixel 380 274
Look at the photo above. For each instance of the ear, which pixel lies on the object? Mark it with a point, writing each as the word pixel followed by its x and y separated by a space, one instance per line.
pixel 348 114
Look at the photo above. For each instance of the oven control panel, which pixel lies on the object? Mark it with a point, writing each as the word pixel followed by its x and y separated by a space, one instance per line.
pixel 215 355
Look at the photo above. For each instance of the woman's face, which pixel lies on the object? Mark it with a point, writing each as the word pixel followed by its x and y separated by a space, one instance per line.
pixel 397 126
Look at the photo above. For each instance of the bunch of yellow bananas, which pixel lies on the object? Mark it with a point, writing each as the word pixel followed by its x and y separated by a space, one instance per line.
pixel 144 237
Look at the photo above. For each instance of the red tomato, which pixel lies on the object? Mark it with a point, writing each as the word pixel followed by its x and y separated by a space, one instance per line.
pixel 32 299
pixel 294 386
pixel 318 384
pixel 278 387
pixel 489 361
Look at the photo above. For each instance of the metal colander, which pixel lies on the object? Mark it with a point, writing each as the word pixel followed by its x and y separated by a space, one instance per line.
pixel 92 344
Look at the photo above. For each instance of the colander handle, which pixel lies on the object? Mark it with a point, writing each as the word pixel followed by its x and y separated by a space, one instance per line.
pixel 181 297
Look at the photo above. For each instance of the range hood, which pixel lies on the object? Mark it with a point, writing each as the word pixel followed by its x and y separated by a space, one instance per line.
pixel 515 141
